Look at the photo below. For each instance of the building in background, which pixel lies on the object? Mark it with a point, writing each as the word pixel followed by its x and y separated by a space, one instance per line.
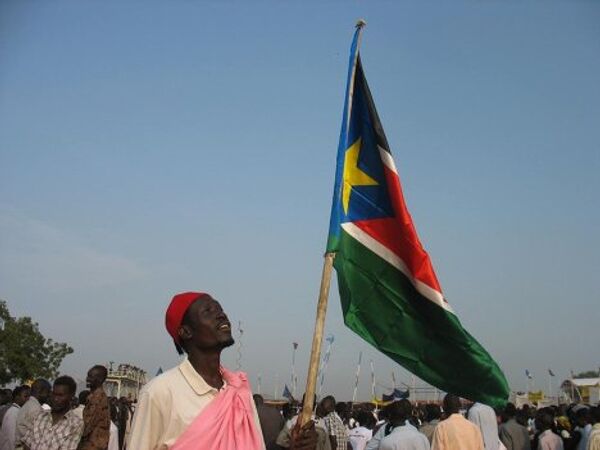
pixel 584 390
pixel 124 381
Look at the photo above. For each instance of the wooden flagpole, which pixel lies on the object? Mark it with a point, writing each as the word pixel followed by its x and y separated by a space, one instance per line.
pixel 315 353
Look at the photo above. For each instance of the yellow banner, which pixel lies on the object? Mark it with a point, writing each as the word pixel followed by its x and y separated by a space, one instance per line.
pixel 536 396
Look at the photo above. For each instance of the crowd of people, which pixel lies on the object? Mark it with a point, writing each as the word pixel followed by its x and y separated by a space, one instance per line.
pixel 47 416
pixel 454 425
pixel 52 417
pixel 201 405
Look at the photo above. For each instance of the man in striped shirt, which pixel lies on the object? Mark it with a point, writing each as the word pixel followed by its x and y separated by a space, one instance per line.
pixel 60 428
pixel 335 427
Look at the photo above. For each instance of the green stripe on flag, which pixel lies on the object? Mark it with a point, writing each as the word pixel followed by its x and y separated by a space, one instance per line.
pixel 382 306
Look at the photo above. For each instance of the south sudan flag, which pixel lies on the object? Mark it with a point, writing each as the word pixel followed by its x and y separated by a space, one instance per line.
pixel 389 291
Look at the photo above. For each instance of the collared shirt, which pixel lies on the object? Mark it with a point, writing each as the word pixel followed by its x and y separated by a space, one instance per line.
pixel 359 437
pixel 62 435
pixel 27 414
pixel 457 433
pixel 9 428
pixel 485 418
pixel 594 439
pixel 549 441
pixel 168 404
pixel 514 436
pixel 96 422
pixel 335 427
pixel 405 437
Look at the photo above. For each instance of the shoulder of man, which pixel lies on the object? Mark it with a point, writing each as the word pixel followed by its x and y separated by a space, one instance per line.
pixel 31 407
pixel 13 411
pixel 96 396
pixel 43 415
pixel 504 427
pixel 474 427
pixel 161 383
pixel 442 424
pixel 72 417
pixel 157 392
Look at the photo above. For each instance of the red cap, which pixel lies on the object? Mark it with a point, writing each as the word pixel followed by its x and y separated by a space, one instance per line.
pixel 176 310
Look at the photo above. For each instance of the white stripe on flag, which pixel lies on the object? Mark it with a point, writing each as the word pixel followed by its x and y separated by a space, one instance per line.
pixel 387 159
pixel 385 253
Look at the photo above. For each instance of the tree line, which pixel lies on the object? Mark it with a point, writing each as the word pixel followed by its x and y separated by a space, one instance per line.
pixel 25 353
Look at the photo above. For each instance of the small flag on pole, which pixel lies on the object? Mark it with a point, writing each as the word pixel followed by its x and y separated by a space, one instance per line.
pixel 397 394
pixel 528 374
pixel 551 373
pixel 329 339
pixel 356 378
pixel 286 393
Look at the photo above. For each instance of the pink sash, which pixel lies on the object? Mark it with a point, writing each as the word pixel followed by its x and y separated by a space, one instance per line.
pixel 227 423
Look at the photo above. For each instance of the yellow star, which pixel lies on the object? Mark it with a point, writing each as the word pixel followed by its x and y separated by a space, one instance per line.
pixel 353 176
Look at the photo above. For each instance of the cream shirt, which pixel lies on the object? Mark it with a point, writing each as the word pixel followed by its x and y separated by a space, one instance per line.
pixel 456 433
pixel 168 404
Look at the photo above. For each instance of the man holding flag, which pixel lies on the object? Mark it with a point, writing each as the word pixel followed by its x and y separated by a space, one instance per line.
pixel 200 404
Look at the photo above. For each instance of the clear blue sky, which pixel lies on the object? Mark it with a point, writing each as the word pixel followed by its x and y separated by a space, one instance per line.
pixel 153 147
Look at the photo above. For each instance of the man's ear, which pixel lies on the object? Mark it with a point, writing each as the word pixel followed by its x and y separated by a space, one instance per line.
pixel 184 332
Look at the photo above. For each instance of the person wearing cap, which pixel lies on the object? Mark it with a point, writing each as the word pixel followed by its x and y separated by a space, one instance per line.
pixel 199 404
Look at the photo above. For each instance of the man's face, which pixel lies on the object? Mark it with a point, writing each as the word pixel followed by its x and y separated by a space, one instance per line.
pixel 44 395
pixel 61 398
pixel 207 326
pixel 327 406
pixel 95 378
pixel 23 397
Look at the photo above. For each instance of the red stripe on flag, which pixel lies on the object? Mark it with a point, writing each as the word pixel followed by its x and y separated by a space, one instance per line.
pixel 400 236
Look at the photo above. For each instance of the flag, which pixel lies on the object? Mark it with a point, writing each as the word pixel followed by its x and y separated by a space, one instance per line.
pixel 286 393
pixel 528 374
pixel 397 394
pixel 357 375
pixel 323 369
pixel 388 289
pixel 551 373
